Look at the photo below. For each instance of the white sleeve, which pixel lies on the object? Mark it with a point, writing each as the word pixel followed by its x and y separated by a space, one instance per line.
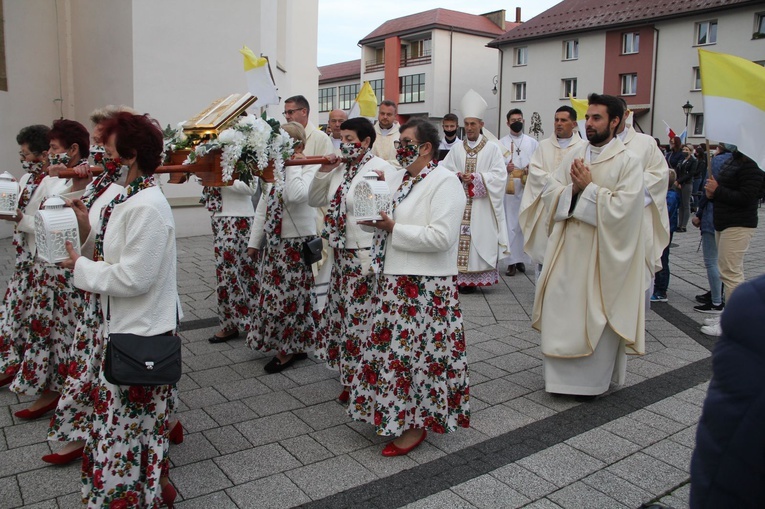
pixel 586 209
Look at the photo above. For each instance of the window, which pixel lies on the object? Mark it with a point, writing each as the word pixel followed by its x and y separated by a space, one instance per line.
pixel 706 33
pixel 420 48
pixel 696 79
pixel 519 91
pixel 629 84
pixel 348 94
pixel 571 50
pixel 327 99
pixel 630 43
pixel 412 89
pixel 568 87
pixel 379 87
pixel 3 71
pixel 521 56
pixel 759 26
pixel 698 124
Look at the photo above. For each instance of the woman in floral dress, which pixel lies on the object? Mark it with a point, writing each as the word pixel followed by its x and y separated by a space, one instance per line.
pixel 14 325
pixel 345 322
pixel 413 372
pixel 133 271
pixel 231 215
pixel 283 318
pixel 55 305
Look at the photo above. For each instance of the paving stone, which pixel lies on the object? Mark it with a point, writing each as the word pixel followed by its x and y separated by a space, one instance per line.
pixel 227 439
pixel 649 473
pixel 561 464
pixel 441 500
pixel 274 492
pixel 204 397
pixel 272 403
pixel 487 370
pixel 26 433
pixel 195 447
pixel 23 459
pixel 218 500
pixel 618 488
pixel 671 452
pixel 230 412
pixel 556 403
pixel 580 494
pixel 46 504
pixel 451 442
pixel 514 362
pixel 39 485
pixel 635 431
pixel 199 479
pixel 196 420
pixel 379 465
pixel 257 462
pixel 272 428
pixel 656 421
pixel 318 392
pixel 543 504
pixel 693 396
pixel 304 373
pixel 340 439
pixel 71 501
pixel 677 409
pixel 277 381
pixel 498 391
pixel 498 420
pixel 529 407
pixel 603 445
pixel 498 347
pixel 330 476
pixel 9 487
pixel 487 492
pixel 686 437
pixel 242 389
pixel 207 361
pixel 323 415
pixel 306 449
pixel 210 377
pixel 527 379
pixel 523 481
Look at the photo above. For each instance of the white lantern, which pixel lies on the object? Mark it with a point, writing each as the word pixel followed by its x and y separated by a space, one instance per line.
pixel 54 226
pixel 9 194
pixel 370 197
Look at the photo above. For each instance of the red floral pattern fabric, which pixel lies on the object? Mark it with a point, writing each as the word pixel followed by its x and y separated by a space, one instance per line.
pixel 235 274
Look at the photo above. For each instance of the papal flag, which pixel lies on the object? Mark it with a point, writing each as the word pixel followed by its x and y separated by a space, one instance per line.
pixel 580 107
pixel 734 102
pixel 259 80
pixel 365 104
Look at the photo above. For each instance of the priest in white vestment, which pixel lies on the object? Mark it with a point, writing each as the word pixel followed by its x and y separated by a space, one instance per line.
pixel 547 157
pixel 589 300
pixel 655 176
pixel 519 149
pixel 479 164
pixel 386 131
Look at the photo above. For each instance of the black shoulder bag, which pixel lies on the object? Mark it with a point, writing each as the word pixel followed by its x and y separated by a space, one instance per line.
pixel 131 359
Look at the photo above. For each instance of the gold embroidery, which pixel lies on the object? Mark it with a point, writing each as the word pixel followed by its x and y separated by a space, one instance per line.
pixel 471 160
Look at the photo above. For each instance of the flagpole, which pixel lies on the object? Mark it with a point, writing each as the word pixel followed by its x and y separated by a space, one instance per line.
pixel 709 159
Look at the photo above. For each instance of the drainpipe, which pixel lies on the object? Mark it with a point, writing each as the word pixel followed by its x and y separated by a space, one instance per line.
pixel 499 89
pixel 451 49
pixel 655 65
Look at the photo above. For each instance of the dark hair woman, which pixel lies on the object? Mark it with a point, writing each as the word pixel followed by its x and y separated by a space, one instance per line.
pixel 133 271
pixel 345 321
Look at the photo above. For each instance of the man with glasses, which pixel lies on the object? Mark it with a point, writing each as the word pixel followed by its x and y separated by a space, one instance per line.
pixel 386 129
pixel 480 166
pixel 296 109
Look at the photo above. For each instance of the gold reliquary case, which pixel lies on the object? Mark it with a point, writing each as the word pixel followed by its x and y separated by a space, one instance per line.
pixel 218 116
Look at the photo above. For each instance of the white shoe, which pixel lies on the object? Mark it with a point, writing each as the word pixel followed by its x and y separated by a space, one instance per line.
pixel 712 330
pixel 712 320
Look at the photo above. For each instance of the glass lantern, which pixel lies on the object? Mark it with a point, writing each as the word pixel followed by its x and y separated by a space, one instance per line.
pixel 9 194
pixel 54 226
pixel 370 197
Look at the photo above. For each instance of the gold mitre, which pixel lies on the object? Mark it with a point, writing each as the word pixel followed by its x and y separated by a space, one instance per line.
pixel 219 115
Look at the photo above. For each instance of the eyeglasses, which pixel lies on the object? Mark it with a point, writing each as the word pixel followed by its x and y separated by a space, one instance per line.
pixel 290 112
pixel 405 142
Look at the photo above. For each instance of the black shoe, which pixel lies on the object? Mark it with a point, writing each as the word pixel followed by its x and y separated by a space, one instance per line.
pixel 584 398
pixel 511 269
pixel 709 308
pixel 521 267
pixel 467 289
pixel 222 339
pixel 704 298
pixel 275 365
pixel 680 230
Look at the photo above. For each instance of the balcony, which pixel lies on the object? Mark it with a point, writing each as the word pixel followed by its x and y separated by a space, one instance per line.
pixel 374 65
pixel 415 60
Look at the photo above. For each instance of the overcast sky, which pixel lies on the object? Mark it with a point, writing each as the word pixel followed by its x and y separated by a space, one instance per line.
pixel 342 24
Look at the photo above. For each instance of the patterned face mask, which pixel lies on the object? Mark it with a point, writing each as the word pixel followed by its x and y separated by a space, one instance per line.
pixel 352 151
pixel 62 158
pixel 407 154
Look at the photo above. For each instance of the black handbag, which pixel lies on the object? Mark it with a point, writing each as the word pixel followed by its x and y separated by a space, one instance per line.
pixel 312 251
pixel 131 359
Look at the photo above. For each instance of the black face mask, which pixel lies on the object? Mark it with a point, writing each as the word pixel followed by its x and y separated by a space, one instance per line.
pixel 516 127
pixel 450 134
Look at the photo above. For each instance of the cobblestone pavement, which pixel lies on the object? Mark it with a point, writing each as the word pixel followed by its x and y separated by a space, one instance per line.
pixel 257 440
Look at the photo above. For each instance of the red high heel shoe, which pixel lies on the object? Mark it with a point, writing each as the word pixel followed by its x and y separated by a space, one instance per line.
pixel 34 414
pixel 176 434
pixel 392 449
pixel 168 495
pixel 63 459
pixel 344 396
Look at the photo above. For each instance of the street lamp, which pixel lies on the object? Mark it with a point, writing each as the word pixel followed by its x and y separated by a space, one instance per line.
pixel 495 80
pixel 687 108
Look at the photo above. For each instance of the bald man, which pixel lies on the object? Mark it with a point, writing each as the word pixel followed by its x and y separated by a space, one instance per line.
pixel 336 117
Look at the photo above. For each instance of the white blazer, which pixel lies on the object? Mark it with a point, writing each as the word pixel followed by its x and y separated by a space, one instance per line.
pixel 236 200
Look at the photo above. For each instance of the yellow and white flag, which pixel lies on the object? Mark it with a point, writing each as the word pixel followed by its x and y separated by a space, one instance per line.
pixel 365 104
pixel 259 81
pixel 580 107
pixel 734 102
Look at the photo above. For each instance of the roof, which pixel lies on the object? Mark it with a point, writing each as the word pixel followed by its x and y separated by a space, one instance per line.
pixel 436 18
pixel 340 71
pixel 585 15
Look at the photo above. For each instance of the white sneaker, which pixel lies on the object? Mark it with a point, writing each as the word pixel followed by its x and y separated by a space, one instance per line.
pixel 712 320
pixel 712 330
